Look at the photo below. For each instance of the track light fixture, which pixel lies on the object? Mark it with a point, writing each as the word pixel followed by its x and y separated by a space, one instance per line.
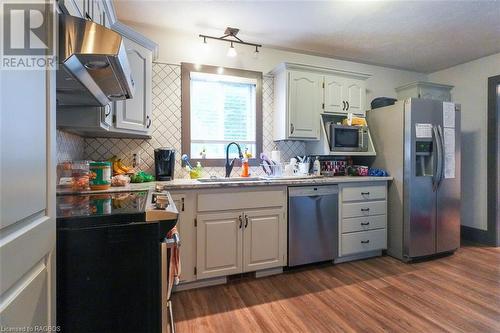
pixel 230 37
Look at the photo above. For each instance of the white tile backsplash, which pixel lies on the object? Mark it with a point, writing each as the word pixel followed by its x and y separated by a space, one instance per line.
pixel 167 129
pixel 70 147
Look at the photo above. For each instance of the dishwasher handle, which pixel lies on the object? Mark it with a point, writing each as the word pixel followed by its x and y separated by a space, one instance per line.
pixel 313 191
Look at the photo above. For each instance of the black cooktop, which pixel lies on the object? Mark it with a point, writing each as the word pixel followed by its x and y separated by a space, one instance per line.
pixel 100 208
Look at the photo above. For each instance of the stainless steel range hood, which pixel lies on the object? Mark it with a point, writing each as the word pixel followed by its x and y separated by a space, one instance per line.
pixel 94 68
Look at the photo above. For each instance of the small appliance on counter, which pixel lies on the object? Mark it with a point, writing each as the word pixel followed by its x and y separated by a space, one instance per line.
pixel 164 164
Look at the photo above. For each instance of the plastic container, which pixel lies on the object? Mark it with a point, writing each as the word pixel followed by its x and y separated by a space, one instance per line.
pixel 80 175
pixel 100 175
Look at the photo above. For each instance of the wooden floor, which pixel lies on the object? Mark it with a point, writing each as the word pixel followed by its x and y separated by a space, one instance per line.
pixel 458 293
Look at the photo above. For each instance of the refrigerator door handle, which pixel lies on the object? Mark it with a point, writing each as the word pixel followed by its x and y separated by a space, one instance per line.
pixel 438 164
pixel 441 140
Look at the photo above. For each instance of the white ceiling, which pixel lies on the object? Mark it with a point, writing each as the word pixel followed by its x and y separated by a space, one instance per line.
pixel 423 36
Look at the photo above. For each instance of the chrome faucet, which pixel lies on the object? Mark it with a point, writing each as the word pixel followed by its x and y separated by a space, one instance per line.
pixel 229 165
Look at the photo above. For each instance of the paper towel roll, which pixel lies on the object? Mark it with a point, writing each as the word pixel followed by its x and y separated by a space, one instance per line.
pixel 276 156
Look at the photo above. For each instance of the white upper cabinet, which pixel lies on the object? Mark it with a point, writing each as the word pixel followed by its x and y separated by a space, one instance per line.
pixel 302 93
pixel 334 94
pixel 355 96
pixel 344 95
pixel 305 101
pixel 427 90
pixel 135 113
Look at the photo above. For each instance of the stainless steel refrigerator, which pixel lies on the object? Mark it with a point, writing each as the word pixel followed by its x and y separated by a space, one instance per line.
pixel 418 143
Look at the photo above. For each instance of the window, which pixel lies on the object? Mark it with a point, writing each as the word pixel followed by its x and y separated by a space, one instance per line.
pixel 219 106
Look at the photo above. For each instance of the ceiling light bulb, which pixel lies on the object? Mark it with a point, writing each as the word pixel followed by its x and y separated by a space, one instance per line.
pixel 231 52
pixel 256 53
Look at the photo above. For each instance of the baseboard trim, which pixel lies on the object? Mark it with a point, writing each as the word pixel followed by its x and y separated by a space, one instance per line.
pixel 358 256
pixel 268 272
pixel 477 235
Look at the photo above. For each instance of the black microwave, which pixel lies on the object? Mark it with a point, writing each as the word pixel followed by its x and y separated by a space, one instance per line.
pixel 345 138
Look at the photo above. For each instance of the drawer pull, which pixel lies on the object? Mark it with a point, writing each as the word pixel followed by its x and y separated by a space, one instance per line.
pixel 365 242
pixel 365 209
pixel 365 223
pixel 365 193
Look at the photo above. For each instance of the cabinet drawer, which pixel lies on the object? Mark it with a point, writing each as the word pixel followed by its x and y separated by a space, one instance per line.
pixel 364 241
pixel 240 200
pixel 360 209
pixel 364 223
pixel 364 193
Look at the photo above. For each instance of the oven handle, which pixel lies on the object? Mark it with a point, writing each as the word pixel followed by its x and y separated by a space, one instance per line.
pixel 175 241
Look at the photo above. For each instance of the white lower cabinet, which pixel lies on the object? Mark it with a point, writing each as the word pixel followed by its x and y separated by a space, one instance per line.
pixel 363 220
pixel 364 241
pixel 241 230
pixel 263 239
pixel 231 243
pixel 219 244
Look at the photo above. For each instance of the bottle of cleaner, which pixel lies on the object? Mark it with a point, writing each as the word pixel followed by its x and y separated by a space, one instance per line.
pixel 245 169
pixel 316 167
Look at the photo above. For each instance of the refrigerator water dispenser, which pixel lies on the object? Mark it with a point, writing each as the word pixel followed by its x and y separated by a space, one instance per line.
pixel 424 159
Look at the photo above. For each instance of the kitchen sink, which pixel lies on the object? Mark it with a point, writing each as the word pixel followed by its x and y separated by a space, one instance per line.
pixel 229 180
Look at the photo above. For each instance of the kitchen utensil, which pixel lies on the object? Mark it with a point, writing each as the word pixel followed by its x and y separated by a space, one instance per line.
pixel 304 168
pixel 266 166
pixel 185 159
pixel 301 158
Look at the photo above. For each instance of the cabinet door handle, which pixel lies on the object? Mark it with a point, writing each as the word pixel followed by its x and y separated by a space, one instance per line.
pixel 343 103
pixel 241 220
pixel 149 122
pixel 246 221
pixel 365 209
pixel 292 128
pixel 107 110
pixel 365 242
pixel 365 193
pixel 347 105
pixel 365 223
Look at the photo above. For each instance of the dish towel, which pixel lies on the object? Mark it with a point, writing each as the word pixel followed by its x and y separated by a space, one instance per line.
pixel 175 260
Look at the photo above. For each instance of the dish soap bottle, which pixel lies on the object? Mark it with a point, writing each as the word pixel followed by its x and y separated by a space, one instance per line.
pixel 245 169
pixel 316 167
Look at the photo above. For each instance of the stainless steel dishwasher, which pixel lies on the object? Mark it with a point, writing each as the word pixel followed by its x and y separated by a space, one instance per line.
pixel 312 224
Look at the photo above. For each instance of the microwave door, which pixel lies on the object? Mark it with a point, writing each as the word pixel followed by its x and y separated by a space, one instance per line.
pixel 345 139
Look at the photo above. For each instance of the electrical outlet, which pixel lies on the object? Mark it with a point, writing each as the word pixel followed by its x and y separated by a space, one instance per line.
pixel 136 159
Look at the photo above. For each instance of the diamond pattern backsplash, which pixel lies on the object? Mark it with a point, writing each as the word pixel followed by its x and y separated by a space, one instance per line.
pixel 167 130
pixel 70 147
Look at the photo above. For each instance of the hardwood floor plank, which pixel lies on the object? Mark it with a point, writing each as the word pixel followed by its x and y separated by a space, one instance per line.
pixel 457 293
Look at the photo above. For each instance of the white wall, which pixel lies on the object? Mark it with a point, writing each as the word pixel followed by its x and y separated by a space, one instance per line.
pixel 471 91
pixel 177 47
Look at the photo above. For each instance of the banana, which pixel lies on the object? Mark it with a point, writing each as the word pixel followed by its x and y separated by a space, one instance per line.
pixel 123 167
pixel 117 170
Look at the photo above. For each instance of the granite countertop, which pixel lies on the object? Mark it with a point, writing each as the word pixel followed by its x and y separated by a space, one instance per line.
pixel 189 184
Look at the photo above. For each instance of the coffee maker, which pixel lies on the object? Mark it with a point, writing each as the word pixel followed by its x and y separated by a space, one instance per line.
pixel 164 164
